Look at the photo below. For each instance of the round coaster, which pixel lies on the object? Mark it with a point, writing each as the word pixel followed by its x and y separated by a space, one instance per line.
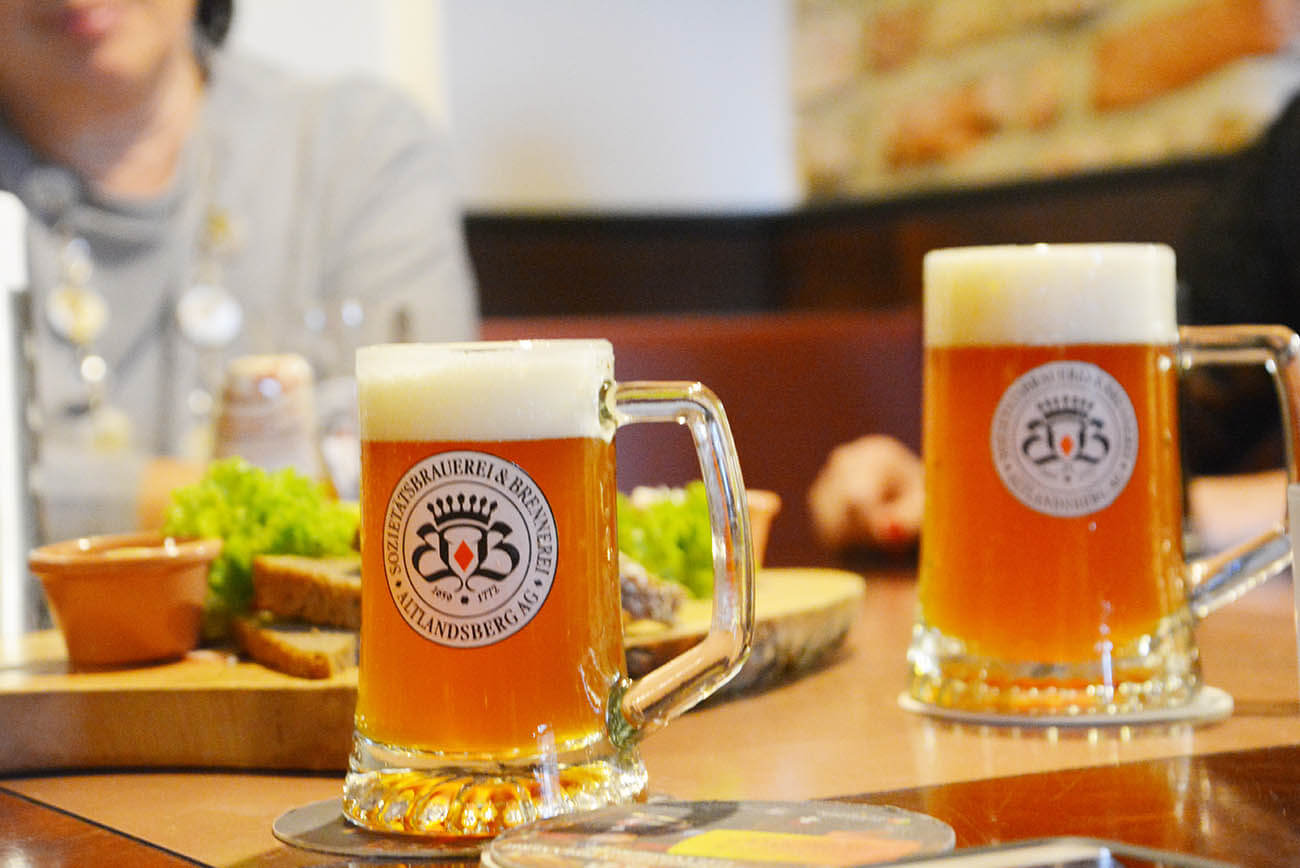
pixel 1208 706
pixel 725 834
pixel 320 827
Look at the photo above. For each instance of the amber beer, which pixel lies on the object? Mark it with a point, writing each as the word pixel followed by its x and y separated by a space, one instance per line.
pixel 482 685
pixel 490 612
pixel 492 689
pixel 1051 568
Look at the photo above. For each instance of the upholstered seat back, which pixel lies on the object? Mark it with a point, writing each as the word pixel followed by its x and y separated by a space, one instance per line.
pixel 793 384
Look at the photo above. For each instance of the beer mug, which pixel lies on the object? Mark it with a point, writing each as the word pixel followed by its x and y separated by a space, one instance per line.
pixel 1052 578
pixel 492 688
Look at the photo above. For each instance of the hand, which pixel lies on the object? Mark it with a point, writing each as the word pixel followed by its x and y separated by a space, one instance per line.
pixel 869 492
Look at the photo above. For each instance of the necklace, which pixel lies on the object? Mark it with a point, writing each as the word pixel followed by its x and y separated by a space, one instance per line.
pixel 198 308
pixel 208 315
pixel 76 312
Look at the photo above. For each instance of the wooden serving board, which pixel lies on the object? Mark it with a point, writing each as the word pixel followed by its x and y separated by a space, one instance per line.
pixel 800 615
pixel 213 710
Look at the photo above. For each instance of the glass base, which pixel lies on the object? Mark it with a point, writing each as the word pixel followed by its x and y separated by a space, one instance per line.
pixel 1158 670
pixel 409 792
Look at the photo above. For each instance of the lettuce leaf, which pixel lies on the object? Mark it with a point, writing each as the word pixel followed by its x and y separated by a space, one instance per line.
pixel 667 531
pixel 257 512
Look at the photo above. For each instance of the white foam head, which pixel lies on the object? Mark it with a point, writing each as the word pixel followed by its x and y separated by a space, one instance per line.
pixel 1050 294
pixel 486 391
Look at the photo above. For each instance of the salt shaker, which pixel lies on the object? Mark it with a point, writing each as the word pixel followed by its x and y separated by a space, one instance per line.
pixel 267 414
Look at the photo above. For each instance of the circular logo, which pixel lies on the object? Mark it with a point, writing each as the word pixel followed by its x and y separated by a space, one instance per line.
pixel 469 548
pixel 1064 439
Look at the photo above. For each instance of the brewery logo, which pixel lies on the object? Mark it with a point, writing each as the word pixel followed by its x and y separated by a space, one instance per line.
pixel 1064 439
pixel 469 548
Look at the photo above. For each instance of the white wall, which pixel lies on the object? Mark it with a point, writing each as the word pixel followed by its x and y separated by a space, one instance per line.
pixel 673 106
pixel 394 39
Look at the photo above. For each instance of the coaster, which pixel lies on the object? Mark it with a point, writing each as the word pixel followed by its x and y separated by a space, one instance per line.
pixel 1208 706
pixel 320 827
pixel 814 834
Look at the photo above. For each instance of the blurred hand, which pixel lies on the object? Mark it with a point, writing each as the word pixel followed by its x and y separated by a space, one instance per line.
pixel 869 492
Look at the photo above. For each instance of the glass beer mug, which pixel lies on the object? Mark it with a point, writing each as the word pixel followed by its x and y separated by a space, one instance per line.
pixel 1052 578
pixel 492 686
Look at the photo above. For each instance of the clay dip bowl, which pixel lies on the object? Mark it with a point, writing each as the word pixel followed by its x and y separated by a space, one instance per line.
pixel 126 598
pixel 763 507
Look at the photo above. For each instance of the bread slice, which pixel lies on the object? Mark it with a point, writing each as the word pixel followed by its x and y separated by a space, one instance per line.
pixel 294 648
pixel 321 591
pixel 646 596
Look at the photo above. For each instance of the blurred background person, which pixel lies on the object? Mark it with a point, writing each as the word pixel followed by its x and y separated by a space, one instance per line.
pixel 1240 264
pixel 189 204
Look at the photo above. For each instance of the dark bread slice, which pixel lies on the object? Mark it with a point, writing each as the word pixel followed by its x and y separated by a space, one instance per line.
pixel 322 591
pixel 646 596
pixel 293 592
pixel 294 648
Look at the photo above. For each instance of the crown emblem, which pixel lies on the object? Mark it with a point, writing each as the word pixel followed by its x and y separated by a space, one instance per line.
pixel 1068 405
pixel 450 510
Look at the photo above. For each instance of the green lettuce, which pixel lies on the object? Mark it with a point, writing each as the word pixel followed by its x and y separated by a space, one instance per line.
pixel 257 512
pixel 667 531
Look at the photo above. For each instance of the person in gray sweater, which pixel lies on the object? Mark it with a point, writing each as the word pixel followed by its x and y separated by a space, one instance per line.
pixel 189 204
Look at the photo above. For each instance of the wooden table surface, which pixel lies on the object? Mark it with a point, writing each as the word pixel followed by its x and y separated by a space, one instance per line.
pixel 1229 790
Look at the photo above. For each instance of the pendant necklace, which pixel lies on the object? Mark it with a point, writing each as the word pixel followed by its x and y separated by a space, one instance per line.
pixel 76 312
pixel 208 315
pixel 205 314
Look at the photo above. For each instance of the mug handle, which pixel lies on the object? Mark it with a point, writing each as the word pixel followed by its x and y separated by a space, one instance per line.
pixel 640 707
pixel 1222 578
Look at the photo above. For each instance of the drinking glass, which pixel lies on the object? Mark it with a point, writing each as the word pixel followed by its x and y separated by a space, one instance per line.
pixel 1052 578
pixel 492 685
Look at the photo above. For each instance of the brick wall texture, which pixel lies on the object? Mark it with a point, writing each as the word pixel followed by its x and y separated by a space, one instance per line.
pixel 895 96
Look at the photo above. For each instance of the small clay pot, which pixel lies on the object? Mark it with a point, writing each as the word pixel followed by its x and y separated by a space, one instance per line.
pixel 126 598
pixel 763 507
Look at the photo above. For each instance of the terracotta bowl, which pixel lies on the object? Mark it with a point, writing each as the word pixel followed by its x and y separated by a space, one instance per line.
pixel 763 507
pixel 126 598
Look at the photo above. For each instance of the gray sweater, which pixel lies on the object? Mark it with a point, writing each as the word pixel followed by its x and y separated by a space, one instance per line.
pixel 341 199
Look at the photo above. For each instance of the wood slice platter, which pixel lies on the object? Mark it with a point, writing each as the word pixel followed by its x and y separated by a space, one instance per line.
pixel 800 617
pixel 213 710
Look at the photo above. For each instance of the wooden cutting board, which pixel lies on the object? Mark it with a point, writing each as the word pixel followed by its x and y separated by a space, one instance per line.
pixel 800 616
pixel 213 710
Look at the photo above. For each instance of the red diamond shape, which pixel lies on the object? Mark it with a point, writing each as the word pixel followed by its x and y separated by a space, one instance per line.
pixel 463 555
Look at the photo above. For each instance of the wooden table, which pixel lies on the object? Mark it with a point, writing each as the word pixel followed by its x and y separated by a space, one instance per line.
pixel 1229 790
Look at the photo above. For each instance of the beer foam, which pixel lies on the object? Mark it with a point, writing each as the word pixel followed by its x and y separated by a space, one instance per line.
pixel 506 390
pixel 1050 294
